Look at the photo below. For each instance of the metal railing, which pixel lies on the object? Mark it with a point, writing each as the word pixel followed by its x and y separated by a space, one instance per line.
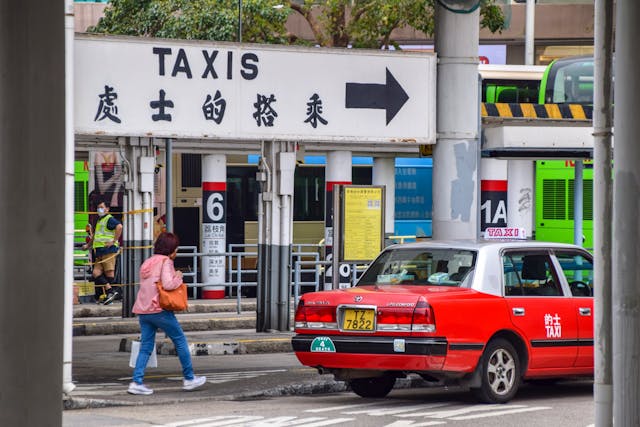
pixel 241 274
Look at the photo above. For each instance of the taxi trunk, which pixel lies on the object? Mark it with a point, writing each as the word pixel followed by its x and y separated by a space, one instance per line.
pixel 396 324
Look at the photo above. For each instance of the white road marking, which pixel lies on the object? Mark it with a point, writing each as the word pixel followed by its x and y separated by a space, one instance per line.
pixel 391 410
pixel 258 421
pixel 456 412
pixel 410 423
pixel 221 420
pixel 498 413
pixel 404 410
pixel 338 408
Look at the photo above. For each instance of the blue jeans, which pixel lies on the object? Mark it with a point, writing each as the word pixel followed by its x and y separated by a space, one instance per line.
pixel 166 321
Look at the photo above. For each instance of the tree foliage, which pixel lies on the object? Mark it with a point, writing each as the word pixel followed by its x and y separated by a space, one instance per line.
pixel 370 23
pixel 339 23
pixel 196 19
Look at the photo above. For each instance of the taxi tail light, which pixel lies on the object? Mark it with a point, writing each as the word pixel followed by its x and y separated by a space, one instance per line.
pixel 423 318
pixel 394 319
pixel 321 317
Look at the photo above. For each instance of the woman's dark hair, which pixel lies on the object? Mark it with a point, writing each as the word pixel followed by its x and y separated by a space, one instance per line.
pixel 166 243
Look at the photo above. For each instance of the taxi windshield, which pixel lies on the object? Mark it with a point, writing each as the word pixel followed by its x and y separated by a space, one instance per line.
pixel 421 266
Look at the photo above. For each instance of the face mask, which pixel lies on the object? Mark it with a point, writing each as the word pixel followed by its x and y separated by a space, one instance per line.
pixel 101 211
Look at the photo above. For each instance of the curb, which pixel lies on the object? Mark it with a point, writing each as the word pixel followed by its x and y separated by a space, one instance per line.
pixel 322 386
pixel 81 311
pixel 188 325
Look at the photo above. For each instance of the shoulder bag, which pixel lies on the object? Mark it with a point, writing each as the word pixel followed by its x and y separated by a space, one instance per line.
pixel 174 299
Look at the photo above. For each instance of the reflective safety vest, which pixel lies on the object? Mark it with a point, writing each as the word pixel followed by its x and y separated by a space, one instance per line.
pixel 102 234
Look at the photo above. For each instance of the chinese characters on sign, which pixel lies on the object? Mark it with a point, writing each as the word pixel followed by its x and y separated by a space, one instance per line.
pixel 553 326
pixel 213 108
pixel 314 109
pixel 265 114
pixel 107 109
pixel 160 105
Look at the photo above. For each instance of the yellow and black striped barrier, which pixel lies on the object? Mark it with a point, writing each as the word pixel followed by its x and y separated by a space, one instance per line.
pixel 538 111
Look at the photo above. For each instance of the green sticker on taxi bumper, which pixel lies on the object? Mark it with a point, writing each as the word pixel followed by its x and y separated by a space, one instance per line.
pixel 323 345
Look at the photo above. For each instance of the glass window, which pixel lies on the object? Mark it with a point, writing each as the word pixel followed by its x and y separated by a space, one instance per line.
pixel 308 197
pixel 529 274
pixel 421 266
pixel 578 270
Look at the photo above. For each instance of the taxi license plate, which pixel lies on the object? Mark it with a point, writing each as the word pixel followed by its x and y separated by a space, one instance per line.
pixel 358 319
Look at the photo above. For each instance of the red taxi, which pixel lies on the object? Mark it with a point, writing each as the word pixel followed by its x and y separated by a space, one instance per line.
pixel 486 314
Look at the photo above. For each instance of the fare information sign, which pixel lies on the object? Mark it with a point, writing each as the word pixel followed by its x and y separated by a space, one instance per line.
pixel 210 90
pixel 363 223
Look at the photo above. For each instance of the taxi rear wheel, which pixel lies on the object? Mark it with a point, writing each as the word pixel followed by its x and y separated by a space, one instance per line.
pixel 372 387
pixel 500 373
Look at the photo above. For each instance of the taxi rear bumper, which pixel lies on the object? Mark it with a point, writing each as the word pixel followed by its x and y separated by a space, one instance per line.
pixel 373 353
pixel 374 345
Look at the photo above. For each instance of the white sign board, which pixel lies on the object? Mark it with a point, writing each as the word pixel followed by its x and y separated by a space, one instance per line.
pixel 190 89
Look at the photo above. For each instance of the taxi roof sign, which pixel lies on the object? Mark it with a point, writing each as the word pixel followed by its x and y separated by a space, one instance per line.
pixel 518 233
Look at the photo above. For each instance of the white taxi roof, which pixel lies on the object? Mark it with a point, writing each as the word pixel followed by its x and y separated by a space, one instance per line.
pixel 488 271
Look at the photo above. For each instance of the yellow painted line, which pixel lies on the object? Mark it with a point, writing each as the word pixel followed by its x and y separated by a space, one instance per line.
pixel 483 110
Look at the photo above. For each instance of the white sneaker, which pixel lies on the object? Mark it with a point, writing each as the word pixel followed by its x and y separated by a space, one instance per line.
pixel 194 383
pixel 135 388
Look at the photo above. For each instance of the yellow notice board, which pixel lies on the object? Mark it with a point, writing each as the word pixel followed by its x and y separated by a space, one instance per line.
pixel 363 222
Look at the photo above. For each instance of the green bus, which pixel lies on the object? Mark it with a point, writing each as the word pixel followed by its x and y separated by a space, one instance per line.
pixel 510 83
pixel 568 81
pixel 554 201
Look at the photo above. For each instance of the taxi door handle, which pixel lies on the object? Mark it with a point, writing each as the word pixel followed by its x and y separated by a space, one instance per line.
pixel 518 311
pixel 584 311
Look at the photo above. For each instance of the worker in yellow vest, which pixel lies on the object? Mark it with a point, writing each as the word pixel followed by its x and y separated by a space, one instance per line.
pixel 106 246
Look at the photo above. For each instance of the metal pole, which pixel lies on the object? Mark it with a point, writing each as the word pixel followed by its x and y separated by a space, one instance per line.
pixel 578 186
pixel 626 221
pixel 529 31
pixel 67 383
pixel 168 154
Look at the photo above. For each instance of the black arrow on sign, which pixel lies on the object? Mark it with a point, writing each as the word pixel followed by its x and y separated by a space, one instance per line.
pixel 388 96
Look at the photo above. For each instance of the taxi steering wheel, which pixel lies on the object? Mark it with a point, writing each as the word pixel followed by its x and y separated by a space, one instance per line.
pixel 580 288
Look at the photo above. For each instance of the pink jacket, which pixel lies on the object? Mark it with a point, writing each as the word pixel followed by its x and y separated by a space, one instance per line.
pixel 153 269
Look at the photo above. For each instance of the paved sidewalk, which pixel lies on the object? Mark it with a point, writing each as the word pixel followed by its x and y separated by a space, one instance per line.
pixel 239 362
pixel 213 319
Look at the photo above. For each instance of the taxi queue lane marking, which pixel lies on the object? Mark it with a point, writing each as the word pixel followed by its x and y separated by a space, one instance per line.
pixel 375 409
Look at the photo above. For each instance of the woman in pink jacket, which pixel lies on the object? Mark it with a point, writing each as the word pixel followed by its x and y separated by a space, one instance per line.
pixel 152 317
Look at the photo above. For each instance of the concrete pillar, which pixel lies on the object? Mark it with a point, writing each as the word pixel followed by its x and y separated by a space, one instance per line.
pixel 337 171
pixel 32 211
pixel 494 189
pixel 384 173
pixel 626 221
pixel 214 223
pixel 456 153
pixel 520 195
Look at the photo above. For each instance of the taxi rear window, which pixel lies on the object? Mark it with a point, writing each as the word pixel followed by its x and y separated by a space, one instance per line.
pixel 442 267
